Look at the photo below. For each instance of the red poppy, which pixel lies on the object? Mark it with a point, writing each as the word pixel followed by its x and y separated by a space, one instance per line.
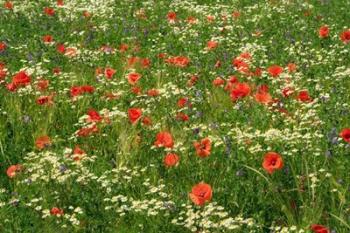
pixel 182 102
pixel 292 67
pixel 345 134
pixel 272 162
pixel 182 116
pixel 203 148
pixel 323 32
pixel 42 142
pixel 2 46
pixel 133 78
pixel 134 114
pixel 47 99
pixel 78 153
pixel 146 121
pixel 47 39
pixel 109 72
pixel 240 90
pixel 145 63
pixel 304 96
pixel 164 139
pixel 56 211
pixel 87 131
pixel 153 92
pixel 319 228
pixel 345 36
pixel 42 84
pixel 136 90
pixel 20 79
pixel 49 11
pixel 13 169
pixel 171 16
pixel 171 160
pixel 287 91
pixel 179 61
pixel 240 65
pixel 218 81
pixel 275 70
pixel 212 44
pixel 60 3
pixel 263 97
pixel 123 47
pixel 8 5
pixel 93 116
pixel 201 193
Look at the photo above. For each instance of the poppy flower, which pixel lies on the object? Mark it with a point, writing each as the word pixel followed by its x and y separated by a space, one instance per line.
pixel 291 67
pixel 93 116
pixel 87 131
pixel 212 44
pixel 323 32
pixel 70 52
pixel 240 64
pixel 123 47
pixel 304 96
pixel 171 16
pixel 272 161
pixel 182 102
pixel 56 211
pixel 2 46
pixel 218 82
pixel 287 91
pixel 42 142
pixel 345 134
pixel 60 3
pixel 210 18
pixel 47 39
pixel 133 78
pixel 182 116
pixel 145 63
pixel 203 147
pixel 171 159
pixel 263 97
pixel 42 84
pixel 164 139
pixel 47 99
pixel 109 72
pixel 345 36
pixel 275 70
pixel 21 79
pixel 146 121
pixel 153 92
pixel 240 90
pixel 201 193
pixel 136 90
pixel 178 61
pixel 13 169
pixel 8 5
pixel 316 228
pixel 49 11
pixel 78 153
pixel 134 114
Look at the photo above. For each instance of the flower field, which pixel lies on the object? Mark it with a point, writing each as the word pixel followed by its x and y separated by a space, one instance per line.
pixel 152 116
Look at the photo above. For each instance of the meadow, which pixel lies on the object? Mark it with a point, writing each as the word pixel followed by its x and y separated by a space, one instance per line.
pixel 204 116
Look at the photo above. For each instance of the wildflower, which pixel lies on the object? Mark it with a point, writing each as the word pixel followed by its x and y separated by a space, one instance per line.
pixel 171 159
pixel 13 169
pixel 319 228
pixel 56 211
pixel 345 134
pixel 201 193
pixel 203 148
pixel 275 70
pixel 323 32
pixel 345 36
pixel 272 162
pixel 164 139
pixel 134 114
pixel 42 142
